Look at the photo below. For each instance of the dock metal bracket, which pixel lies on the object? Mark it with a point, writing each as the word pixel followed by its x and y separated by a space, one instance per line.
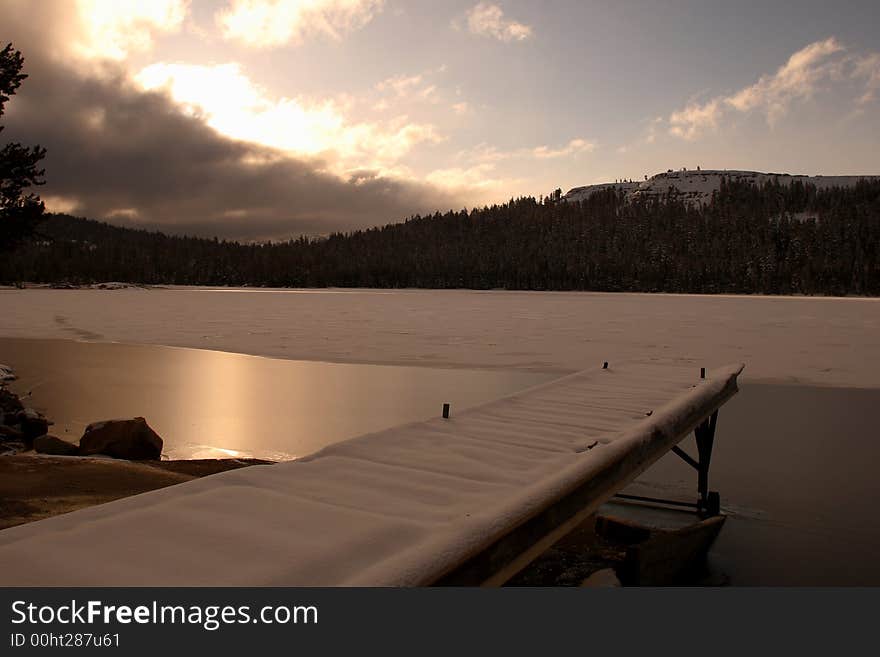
pixel 708 502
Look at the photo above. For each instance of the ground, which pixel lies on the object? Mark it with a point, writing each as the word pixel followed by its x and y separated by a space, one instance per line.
pixel 33 486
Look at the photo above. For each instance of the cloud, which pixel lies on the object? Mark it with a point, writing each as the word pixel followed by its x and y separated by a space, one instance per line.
pixel 228 101
pixel 694 119
pixel 273 23
pixel 867 69
pixel 464 177
pixel 400 85
pixel 573 147
pixel 819 66
pixel 485 19
pixel 798 79
pixel 115 29
pixel 484 153
pixel 416 87
pixel 474 184
pixel 117 151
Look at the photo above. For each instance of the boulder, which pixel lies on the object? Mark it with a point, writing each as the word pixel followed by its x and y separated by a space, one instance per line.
pixel 131 439
pixel 10 433
pixel 32 423
pixel 7 374
pixel 9 447
pixel 52 445
pixel 9 402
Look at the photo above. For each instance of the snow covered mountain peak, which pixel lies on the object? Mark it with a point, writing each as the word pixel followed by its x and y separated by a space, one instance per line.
pixel 697 185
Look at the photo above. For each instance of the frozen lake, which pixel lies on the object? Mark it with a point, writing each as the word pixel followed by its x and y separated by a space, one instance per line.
pixel 822 341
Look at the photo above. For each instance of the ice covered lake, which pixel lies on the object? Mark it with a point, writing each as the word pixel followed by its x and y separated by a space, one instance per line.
pixel 796 451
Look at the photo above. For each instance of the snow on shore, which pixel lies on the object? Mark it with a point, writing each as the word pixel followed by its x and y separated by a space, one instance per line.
pixel 812 340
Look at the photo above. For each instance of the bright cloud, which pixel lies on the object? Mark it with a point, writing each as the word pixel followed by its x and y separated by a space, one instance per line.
pixel 479 183
pixel 808 71
pixel 488 20
pixel 573 147
pixel 400 85
pixel 693 120
pixel 227 100
pixel 60 203
pixel 271 23
pixel 486 154
pixel 407 87
pixel 798 79
pixel 116 28
pixel 458 177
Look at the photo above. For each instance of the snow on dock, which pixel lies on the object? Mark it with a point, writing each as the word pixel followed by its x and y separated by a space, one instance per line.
pixel 461 500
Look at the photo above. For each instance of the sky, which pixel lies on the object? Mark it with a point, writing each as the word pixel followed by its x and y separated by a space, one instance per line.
pixel 267 119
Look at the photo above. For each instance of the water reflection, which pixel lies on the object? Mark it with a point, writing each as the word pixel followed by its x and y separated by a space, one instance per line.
pixel 209 404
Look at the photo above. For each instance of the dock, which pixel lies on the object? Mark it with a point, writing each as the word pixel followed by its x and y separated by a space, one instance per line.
pixel 465 498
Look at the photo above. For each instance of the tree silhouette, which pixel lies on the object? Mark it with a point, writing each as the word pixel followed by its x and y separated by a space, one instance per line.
pixel 770 239
pixel 20 210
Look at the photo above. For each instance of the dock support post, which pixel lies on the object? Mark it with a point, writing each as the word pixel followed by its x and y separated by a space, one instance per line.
pixel 709 503
pixel 445 411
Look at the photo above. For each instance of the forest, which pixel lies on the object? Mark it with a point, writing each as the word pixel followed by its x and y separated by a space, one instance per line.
pixel 773 239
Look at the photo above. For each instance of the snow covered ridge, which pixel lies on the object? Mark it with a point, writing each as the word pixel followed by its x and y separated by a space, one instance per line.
pixel 697 185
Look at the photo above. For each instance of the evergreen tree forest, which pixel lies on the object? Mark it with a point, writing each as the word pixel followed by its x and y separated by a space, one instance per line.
pixel 774 239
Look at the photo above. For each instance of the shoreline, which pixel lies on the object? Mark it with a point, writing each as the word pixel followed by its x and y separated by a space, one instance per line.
pixel 174 287
pixel 37 486
pixel 454 366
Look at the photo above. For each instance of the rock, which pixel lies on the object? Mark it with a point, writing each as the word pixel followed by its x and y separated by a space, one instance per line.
pixel 52 445
pixel 9 447
pixel 9 402
pixel 131 439
pixel 6 374
pixel 10 433
pixel 605 578
pixel 32 424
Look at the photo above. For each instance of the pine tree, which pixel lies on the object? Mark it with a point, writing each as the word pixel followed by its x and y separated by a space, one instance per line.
pixel 20 210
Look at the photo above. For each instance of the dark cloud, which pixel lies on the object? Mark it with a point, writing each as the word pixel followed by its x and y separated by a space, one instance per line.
pixel 113 148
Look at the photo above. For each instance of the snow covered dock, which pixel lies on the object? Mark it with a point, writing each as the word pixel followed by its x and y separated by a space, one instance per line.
pixel 470 499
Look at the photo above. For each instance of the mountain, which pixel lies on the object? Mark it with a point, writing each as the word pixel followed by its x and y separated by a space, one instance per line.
pixel 697 186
